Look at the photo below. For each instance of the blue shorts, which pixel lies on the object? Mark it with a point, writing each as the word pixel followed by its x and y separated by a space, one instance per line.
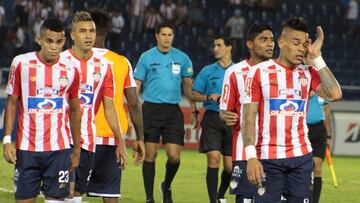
pixel 239 184
pixel 291 177
pixel 106 174
pixel 83 172
pixel 42 171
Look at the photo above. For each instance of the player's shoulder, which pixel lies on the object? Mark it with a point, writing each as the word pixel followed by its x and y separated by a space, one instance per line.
pixel 238 67
pixel 265 64
pixel 26 57
pixel 65 53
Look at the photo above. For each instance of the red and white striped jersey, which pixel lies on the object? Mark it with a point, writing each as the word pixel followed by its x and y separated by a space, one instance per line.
pixel 43 91
pixel 233 88
pixel 96 82
pixel 282 95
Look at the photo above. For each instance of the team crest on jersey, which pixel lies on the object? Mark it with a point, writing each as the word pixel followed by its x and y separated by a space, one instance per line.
pixel 63 80
pixel 233 184
pixel 287 107
pixel 45 105
pixel 97 76
pixel 303 81
pixel 32 78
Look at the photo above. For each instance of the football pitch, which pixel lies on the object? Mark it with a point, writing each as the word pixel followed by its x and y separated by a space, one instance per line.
pixel 189 184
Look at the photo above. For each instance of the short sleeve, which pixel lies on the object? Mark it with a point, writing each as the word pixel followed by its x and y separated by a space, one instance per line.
pixel 187 67
pixel 200 82
pixel 108 85
pixel 13 87
pixel 140 69
pixel 129 78
pixel 230 91
pixel 75 85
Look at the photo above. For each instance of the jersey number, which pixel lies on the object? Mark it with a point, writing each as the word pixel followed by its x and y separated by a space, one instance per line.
pixel 63 176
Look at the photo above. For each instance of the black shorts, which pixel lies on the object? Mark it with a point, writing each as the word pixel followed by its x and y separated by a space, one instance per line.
pixel 166 120
pixel 317 136
pixel 82 174
pixel 106 173
pixel 215 135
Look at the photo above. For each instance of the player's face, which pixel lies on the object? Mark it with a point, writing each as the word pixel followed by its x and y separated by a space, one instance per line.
pixel 263 45
pixel 84 35
pixel 293 46
pixel 165 37
pixel 51 44
pixel 220 49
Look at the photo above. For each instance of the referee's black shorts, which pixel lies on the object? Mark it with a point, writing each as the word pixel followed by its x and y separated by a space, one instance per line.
pixel 317 136
pixel 215 135
pixel 166 120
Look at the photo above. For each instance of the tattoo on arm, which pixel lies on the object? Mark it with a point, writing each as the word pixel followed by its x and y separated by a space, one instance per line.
pixel 248 123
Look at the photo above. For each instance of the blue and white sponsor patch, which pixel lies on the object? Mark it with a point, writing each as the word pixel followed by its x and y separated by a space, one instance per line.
pixel 287 107
pixel 86 99
pixel 45 105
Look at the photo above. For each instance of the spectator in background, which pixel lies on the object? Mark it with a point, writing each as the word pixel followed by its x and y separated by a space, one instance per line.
pixel 180 12
pixel 237 25
pixel 204 44
pixel 138 8
pixel 117 25
pixel 195 15
pixel 64 12
pixel 37 25
pixel 352 17
pixel 235 3
pixel 152 18
pixel 2 14
pixel 167 11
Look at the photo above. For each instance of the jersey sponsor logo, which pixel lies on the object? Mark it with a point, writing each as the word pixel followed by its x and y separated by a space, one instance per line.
pixel 86 100
pixel 287 107
pixel 97 76
pixel 242 72
pixel 237 172
pixel 353 133
pixel 47 90
pixel 290 91
pixel 271 71
pixel 45 105
pixel 303 81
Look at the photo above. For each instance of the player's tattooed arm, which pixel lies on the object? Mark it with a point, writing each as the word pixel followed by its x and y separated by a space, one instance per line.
pixel 249 122
pixel 329 87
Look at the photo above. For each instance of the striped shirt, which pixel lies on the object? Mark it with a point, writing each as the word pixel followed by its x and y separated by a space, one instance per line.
pixel 43 91
pixel 233 86
pixel 282 94
pixel 96 83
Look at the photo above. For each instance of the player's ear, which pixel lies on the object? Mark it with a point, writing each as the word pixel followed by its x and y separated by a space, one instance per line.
pixel 280 42
pixel 249 44
pixel 37 40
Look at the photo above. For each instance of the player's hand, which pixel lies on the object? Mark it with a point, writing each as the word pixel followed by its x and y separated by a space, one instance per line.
pixel 314 49
pixel 230 118
pixel 121 155
pixel 10 153
pixel 75 158
pixel 255 172
pixel 138 149
pixel 194 117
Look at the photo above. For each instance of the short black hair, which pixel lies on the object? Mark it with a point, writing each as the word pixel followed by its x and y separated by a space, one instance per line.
pixel 162 25
pixel 228 41
pixel 296 23
pixel 255 29
pixel 53 24
pixel 101 20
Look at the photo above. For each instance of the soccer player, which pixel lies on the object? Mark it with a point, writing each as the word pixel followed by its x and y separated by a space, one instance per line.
pixel 46 89
pixel 276 95
pixel 260 43
pixel 319 124
pixel 105 176
pixel 96 87
pixel 160 71
pixel 215 139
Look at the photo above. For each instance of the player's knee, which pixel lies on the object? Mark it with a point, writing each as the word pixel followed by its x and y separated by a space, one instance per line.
pixel 150 156
pixel 174 158
pixel 228 169
pixel 317 171
pixel 213 162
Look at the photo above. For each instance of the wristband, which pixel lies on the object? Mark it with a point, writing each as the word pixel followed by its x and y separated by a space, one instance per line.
pixel 7 139
pixel 319 63
pixel 208 98
pixel 250 152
